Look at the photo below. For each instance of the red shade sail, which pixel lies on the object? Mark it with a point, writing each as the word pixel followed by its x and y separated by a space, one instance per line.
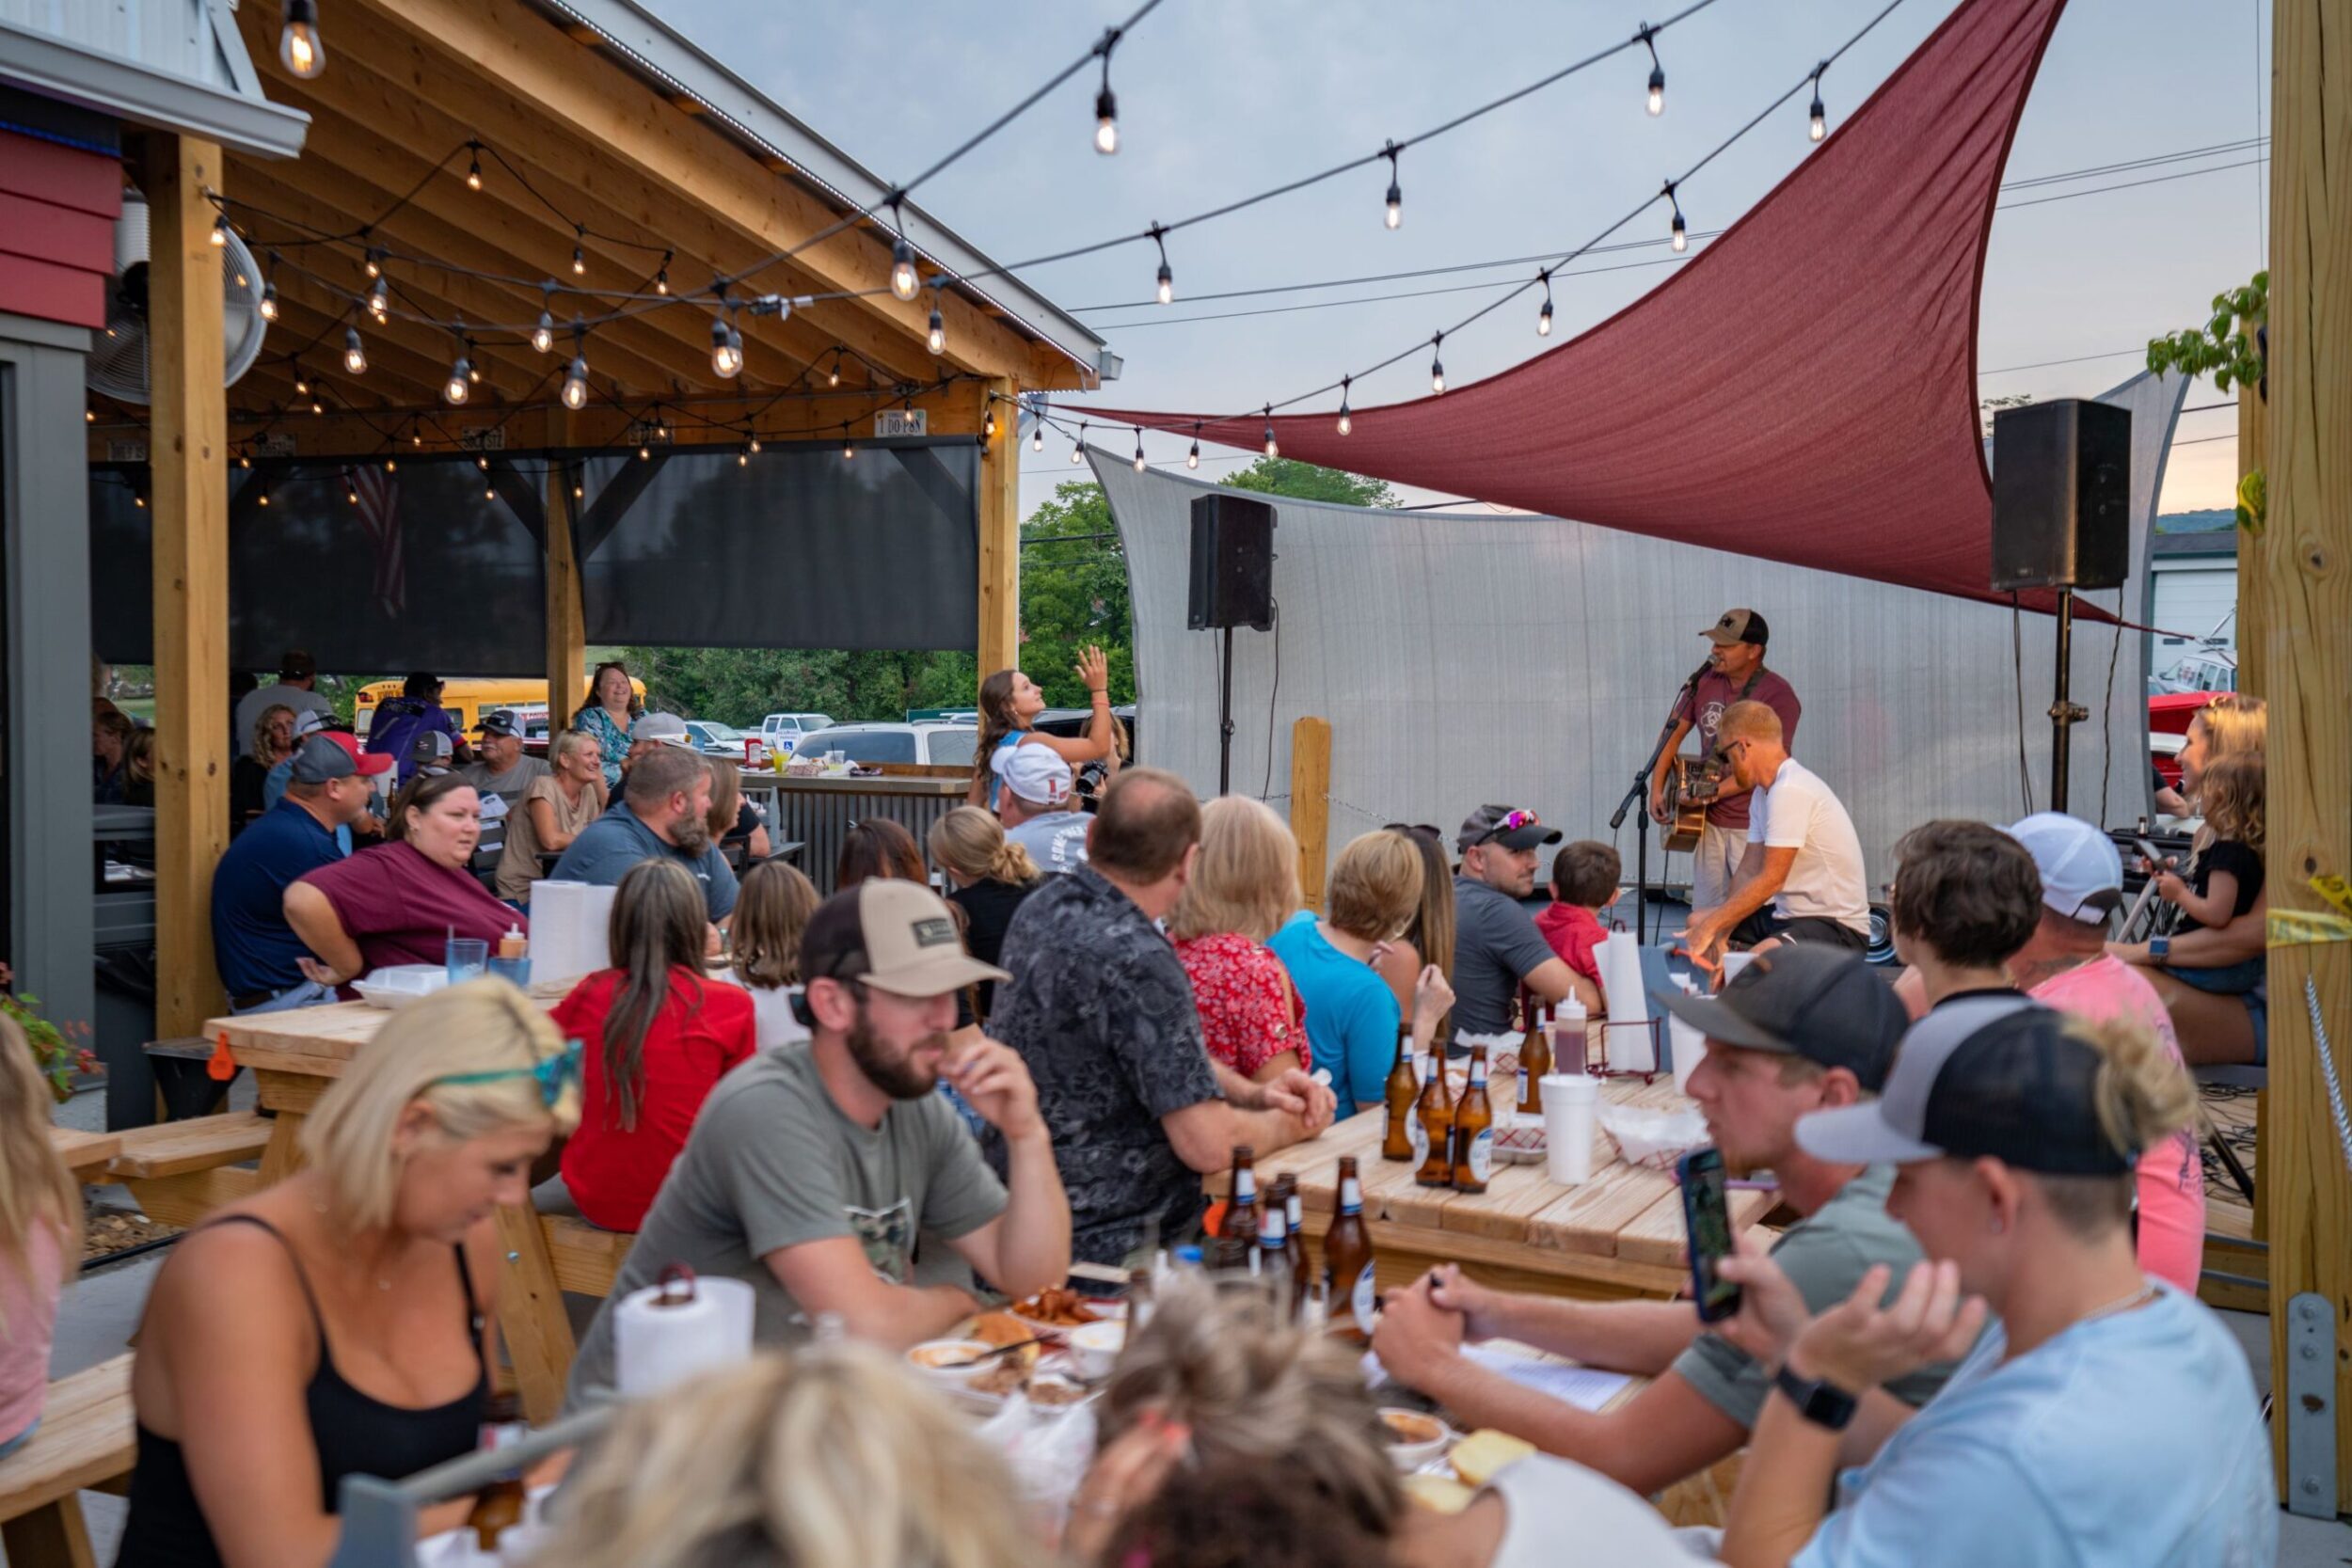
pixel 1804 389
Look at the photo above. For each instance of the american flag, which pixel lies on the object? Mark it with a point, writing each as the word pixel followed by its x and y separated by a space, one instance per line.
pixel 379 514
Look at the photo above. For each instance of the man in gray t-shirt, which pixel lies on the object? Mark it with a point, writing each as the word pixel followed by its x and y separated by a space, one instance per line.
pixel 814 1169
pixel 1800 1029
pixel 1032 805
pixel 1497 947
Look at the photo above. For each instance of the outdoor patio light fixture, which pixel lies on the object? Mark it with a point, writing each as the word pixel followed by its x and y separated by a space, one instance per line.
pixel 220 231
pixel 1543 317
pixel 848 449
pixel 379 300
pixel 753 446
pixel 743 458
pixel 936 338
pixel 726 348
pixel 1192 458
pixel 1166 279
pixel 833 378
pixel 1679 234
pixel 269 301
pixel 355 357
pixel 460 381
pixel 1138 449
pixel 302 383
pixel 1648 35
pixel 473 166
pixel 298 45
pixel 988 423
pixel 543 335
pixel 1347 424
pixel 1436 366
pixel 372 263
pixel 1819 125
pixel 1078 446
pixel 483 463
pixel 1271 450
pixel 661 273
pixel 1037 438
pixel 580 263
pixel 1395 217
pixel 576 373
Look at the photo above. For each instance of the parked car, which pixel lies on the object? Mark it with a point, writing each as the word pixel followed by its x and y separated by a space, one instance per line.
pixel 932 745
pixel 2206 669
pixel 783 731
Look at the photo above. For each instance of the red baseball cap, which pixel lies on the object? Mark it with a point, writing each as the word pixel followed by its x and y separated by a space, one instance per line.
pixel 335 755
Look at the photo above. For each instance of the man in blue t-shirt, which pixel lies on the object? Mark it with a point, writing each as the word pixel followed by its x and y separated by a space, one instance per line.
pixel 330 787
pixel 664 810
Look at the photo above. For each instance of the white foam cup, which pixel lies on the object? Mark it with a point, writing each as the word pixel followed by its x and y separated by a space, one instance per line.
pixel 1569 1102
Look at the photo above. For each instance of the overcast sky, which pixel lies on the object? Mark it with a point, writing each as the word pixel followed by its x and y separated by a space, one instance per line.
pixel 1219 98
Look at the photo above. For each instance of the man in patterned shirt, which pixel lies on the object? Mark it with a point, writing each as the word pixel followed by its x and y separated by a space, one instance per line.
pixel 1100 1008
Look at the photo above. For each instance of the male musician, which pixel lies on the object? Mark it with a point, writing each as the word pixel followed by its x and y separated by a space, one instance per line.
pixel 1734 673
pixel 1800 876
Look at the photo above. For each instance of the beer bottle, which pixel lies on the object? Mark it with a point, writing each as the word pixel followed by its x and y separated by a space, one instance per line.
pixel 1347 1254
pixel 1271 1262
pixel 498 1507
pixel 1398 1144
pixel 1433 1126
pixel 1474 1130
pixel 1240 1231
pixel 1535 1061
pixel 1286 1194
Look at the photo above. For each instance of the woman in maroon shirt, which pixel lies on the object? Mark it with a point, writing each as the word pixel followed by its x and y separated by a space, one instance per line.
pixel 659 1036
pixel 400 902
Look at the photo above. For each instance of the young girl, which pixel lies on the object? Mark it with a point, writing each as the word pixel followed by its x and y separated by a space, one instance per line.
pixel 41 1224
pixel 2225 877
pixel 1009 702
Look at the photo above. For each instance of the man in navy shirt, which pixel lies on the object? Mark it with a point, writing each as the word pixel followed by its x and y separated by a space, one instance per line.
pixel 258 953
pixel 664 810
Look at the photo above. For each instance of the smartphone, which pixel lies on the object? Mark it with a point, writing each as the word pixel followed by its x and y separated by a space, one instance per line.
pixel 1706 1219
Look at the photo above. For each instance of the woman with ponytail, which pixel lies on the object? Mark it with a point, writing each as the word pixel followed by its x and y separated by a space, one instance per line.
pixel 659 1036
pixel 987 875
pixel 1010 703
pixel 2101 1415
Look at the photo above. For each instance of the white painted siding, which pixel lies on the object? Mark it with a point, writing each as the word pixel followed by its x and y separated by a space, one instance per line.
pixel 173 36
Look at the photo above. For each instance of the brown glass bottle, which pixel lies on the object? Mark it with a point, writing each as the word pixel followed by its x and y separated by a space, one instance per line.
pixel 1474 1131
pixel 1347 1256
pixel 1401 1089
pixel 1241 1205
pixel 1535 1061
pixel 1293 1214
pixel 1433 1118
pixel 498 1507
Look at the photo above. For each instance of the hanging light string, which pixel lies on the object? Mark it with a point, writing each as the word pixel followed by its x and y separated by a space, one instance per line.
pixel 1513 290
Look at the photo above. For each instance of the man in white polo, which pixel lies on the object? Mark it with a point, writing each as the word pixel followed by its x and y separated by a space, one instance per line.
pixel 1034 806
pixel 1801 879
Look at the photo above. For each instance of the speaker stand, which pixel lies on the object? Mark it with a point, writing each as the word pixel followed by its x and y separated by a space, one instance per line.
pixel 1225 719
pixel 2065 715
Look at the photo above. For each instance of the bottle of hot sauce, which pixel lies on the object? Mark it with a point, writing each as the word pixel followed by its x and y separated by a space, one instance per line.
pixel 1348 1257
pixel 1474 1131
pixel 1433 1123
pixel 1401 1089
pixel 1535 1061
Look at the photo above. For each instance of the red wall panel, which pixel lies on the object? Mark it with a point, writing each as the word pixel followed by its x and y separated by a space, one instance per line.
pixel 57 207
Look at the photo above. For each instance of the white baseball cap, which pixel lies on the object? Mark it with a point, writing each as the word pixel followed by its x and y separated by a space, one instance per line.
pixel 1037 775
pixel 2082 872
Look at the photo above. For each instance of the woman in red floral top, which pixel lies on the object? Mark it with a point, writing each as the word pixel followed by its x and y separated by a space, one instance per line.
pixel 1244 886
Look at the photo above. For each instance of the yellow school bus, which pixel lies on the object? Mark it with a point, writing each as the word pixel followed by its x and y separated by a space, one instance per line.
pixel 466 701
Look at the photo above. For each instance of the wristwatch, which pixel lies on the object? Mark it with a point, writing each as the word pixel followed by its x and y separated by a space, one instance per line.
pixel 2159 949
pixel 1824 1404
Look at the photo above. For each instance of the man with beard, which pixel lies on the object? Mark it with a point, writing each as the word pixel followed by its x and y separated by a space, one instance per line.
pixel 814 1167
pixel 664 809
pixel 1800 1029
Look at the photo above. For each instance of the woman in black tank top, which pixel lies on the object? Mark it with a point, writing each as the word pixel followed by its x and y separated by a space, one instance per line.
pixel 336 1324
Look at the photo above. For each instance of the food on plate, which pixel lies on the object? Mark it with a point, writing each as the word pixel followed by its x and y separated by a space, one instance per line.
pixel 1002 1376
pixel 1440 1494
pixel 1404 1426
pixel 1059 1307
pixel 1478 1458
pixel 1054 1393
pixel 1003 1328
pixel 946 1357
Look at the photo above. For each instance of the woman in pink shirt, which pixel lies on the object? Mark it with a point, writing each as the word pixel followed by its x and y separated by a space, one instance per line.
pixel 41 1224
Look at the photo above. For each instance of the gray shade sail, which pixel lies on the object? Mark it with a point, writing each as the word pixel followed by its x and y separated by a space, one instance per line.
pixel 1467 656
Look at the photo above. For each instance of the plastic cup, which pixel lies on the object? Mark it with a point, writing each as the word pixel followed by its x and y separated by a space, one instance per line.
pixel 467 957
pixel 1571 1102
pixel 1734 963
pixel 514 970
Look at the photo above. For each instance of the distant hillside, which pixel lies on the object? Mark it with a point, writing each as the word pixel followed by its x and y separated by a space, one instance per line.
pixel 2196 522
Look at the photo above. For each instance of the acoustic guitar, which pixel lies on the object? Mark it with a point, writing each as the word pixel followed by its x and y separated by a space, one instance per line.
pixel 1691 783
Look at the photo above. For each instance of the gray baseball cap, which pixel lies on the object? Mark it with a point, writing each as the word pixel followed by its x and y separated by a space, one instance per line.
pixel 1820 1002
pixel 667 728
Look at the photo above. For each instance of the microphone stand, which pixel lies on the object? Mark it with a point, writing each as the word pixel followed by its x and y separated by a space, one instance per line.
pixel 1637 799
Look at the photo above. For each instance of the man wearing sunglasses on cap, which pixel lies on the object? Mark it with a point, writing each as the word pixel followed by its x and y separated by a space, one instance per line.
pixel 1497 946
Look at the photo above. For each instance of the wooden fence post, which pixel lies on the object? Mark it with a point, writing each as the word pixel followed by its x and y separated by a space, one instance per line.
pixel 1310 805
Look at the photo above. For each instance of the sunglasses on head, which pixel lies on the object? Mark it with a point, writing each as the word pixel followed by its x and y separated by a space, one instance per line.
pixel 1510 822
pixel 1419 829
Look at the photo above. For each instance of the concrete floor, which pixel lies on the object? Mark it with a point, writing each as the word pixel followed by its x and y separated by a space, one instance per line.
pixel 102 1310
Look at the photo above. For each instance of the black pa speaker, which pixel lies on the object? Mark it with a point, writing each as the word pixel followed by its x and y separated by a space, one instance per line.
pixel 2061 496
pixel 1232 564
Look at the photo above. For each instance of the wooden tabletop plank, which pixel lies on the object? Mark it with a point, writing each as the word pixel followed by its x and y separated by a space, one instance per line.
pixel 86 1154
pixel 1659 1235
pixel 334 1030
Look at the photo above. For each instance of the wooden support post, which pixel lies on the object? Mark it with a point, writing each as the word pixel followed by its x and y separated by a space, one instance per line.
pixel 1310 805
pixel 188 454
pixel 2253 444
pixel 2306 664
pixel 568 622
pixel 1000 535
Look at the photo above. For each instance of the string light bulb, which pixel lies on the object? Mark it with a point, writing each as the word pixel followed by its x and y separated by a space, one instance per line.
pixel 543 335
pixel 645 454
pixel 1543 317
pixel 220 231
pixel 1346 425
pixel 416 437
pixel 1192 458
pixel 302 383
pixel 1272 450
pixel 390 465
pixel 1648 35
pixel 260 500
pixel 354 355
pixel 1395 216
pixel 753 446
pixel 317 408
pixel 726 348
pixel 245 460
pixel 1679 234
pixel 1436 366
pixel 575 384
pixel 936 338
pixel 903 282
pixel 269 302
pixel 743 458
pixel 1167 291
pixel 298 47
pixel 1139 449
pixel 661 273
pixel 473 170
pixel 1037 437
pixel 1817 123
pixel 483 463
pixel 1078 446
pixel 988 423
pixel 848 449
pixel 371 264
pixel 834 377
pixel 580 261
pixel 379 301
pixel 460 381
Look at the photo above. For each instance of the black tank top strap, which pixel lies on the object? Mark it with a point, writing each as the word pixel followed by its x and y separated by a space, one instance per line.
pixel 309 1297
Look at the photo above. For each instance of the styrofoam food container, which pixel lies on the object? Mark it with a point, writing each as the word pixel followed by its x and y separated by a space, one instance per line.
pixel 401 984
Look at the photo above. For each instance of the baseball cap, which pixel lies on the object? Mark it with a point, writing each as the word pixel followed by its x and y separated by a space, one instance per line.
pixel 2082 872
pixel 1997 1075
pixel 1508 826
pixel 1738 625
pixel 1820 1002
pixel 324 758
pixel 295 664
pixel 431 749
pixel 311 722
pixel 1039 775
pixel 896 936
pixel 667 728
pixel 499 724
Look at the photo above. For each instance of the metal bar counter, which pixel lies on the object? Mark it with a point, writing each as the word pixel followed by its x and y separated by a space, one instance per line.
pixel 817 812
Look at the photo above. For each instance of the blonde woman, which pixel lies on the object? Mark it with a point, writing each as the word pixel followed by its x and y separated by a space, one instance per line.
pixel 988 877
pixel 1244 886
pixel 2230 725
pixel 829 1458
pixel 735 823
pixel 772 910
pixel 41 1237
pixel 1352 1014
pixel 568 797
pixel 1219 1412
pixel 337 1324
pixel 272 743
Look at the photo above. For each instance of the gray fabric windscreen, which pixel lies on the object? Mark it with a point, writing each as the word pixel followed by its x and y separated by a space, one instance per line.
pixel 1474 657
pixel 798 547
pixel 427 571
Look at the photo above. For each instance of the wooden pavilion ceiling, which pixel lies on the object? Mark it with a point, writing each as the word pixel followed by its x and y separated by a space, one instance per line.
pixel 573 138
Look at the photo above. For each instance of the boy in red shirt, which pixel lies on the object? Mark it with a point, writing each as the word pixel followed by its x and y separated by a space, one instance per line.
pixel 1583 884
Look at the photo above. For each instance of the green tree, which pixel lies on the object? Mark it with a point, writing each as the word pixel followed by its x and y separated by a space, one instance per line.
pixel 1284 476
pixel 1073 593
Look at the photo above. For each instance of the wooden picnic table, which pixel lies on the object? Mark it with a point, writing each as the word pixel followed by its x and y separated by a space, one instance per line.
pixel 86 1154
pixel 1618 1235
pixel 295 1056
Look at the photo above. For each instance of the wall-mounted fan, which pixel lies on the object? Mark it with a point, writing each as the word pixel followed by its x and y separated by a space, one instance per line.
pixel 118 359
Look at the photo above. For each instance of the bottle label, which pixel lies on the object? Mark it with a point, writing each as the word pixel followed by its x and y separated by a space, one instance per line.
pixel 1363 1300
pixel 1527 1085
pixel 1351 1196
pixel 1481 1156
pixel 1420 1135
pixel 1245 1186
pixel 1291 1211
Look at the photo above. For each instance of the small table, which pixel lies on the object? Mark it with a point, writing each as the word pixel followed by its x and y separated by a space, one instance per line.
pixel 1618 1235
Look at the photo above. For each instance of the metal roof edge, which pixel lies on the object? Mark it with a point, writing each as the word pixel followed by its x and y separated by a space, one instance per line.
pixel 49 65
pixel 666 56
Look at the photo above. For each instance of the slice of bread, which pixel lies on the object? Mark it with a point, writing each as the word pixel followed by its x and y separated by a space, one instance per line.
pixel 1439 1494
pixel 1479 1457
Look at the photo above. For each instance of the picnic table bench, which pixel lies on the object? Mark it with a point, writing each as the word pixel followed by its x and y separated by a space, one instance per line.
pixel 86 1442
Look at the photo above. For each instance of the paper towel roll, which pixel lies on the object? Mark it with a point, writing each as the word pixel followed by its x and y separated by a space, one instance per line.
pixel 1688 1045
pixel 569 933
pixel 1619 960
pixel 655 1344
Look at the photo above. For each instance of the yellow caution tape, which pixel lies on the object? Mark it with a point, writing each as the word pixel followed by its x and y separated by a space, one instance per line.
pixel 2296 928
pixel 2335 890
